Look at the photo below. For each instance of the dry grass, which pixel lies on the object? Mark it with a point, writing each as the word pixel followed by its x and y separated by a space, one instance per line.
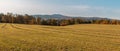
pixel 84 37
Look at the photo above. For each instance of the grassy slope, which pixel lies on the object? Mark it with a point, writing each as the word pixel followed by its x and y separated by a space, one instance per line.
pixel 54 38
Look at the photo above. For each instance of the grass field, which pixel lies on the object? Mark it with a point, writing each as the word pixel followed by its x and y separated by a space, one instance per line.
pixel 83 37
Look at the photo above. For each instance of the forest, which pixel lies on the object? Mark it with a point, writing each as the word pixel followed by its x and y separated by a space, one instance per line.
pixel 28 19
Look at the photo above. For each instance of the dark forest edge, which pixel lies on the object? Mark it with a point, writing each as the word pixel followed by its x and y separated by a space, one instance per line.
pixel 28 19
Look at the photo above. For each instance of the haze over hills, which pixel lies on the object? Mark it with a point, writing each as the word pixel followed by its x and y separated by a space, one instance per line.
pixel 54 16
pixel 60 16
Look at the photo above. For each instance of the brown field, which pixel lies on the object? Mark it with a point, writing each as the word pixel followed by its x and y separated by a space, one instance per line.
pixel 82 37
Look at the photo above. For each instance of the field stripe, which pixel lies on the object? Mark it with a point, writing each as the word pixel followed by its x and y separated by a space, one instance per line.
pixel 77 35
pixel 18 27
pixel 52 30
pixel 73 31
pixel 4 25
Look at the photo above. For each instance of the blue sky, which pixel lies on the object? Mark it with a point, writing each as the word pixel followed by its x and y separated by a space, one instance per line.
pixel 99 8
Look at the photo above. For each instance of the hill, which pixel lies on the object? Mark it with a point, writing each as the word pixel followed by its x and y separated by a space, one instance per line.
pixel 54 16
pixel 59 16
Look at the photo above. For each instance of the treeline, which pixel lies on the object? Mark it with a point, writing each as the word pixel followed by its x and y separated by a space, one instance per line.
pixel 28 19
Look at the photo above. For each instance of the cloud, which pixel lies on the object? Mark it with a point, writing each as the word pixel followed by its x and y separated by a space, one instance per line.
pixel 20 7
pixel 93 11
pixel 117 11
pixel 80 7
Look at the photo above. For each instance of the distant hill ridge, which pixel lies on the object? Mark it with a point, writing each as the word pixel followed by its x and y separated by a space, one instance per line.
pixel 59 16
pixel 54 16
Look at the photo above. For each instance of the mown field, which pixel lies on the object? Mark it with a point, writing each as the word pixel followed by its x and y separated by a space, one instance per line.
pixel 82 37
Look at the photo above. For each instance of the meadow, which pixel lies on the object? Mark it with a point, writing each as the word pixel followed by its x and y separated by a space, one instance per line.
pixel 81 37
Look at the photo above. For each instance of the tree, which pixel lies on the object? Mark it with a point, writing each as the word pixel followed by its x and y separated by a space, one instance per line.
pixel 38 20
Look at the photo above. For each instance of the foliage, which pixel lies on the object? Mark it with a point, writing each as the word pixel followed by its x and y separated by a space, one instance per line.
pixel 27 19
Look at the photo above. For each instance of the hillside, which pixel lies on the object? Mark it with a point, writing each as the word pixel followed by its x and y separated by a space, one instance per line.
pixel 60 16
pixel 54 16
pixel 83 37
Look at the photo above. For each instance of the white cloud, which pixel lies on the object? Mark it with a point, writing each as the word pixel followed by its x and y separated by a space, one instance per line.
pixel 117 11
pixel 20 7
pixel 81 7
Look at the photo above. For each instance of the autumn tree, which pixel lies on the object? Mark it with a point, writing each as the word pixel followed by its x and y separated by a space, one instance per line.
pixel 38 20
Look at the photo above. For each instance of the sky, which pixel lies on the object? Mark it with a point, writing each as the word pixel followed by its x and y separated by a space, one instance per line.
pixel 88 8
